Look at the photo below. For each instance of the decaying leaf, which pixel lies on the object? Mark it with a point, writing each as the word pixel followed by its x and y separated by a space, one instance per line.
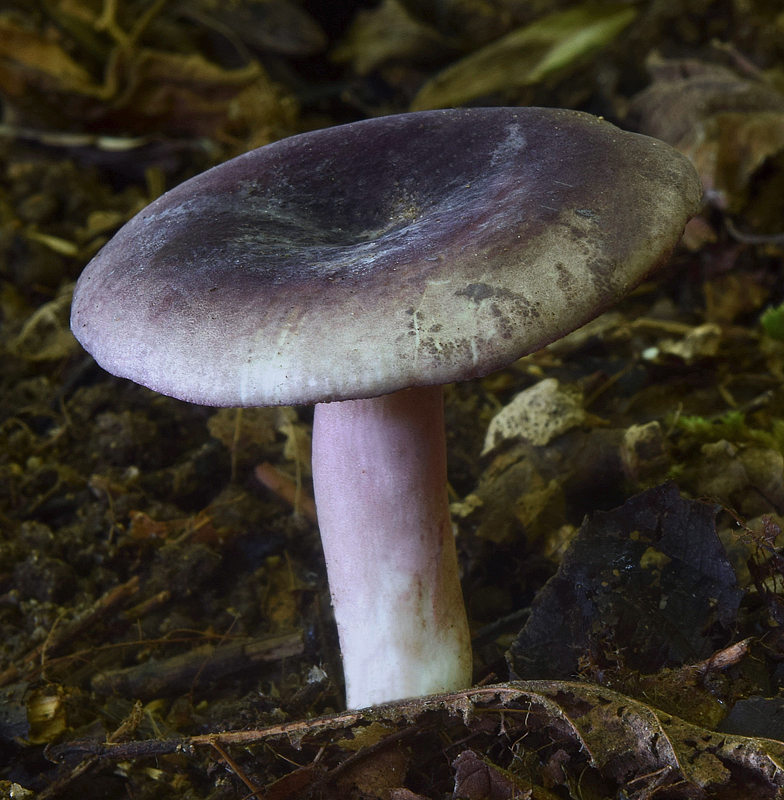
pixel 536 415
pixel 645 748
pixel 378 775
pixel 644 451
pixel 388 34
pixel 701 342
pixel 651 577
pixel 729 126
pixel 46 713
pixel 476 779
pixel 26 58
pixel 526 56
pixel 512 500
pixel 142 89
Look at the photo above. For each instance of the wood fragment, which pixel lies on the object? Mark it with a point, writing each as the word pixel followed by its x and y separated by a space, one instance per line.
pixel 202 664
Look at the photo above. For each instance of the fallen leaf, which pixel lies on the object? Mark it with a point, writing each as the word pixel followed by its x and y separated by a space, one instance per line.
pixel 537 415
pixel 631 748
pixel 700 342
pixel 728 126
pixel 476 779
pixel 526 56
pixel 28 57
pixel 387 34
pixel 377 773
pixel 142 89
pixel 650 578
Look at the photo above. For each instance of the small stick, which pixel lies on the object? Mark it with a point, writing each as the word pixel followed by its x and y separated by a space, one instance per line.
pixel 286 489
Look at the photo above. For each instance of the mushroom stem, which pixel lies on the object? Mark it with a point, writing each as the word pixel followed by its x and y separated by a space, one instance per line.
pixel 379 474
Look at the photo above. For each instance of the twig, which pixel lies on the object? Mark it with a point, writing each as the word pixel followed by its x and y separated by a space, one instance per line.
pixel 287 490
pixel 101 608
pixel 235 767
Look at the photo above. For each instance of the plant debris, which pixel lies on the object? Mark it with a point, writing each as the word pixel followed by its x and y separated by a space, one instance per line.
pixel 547 735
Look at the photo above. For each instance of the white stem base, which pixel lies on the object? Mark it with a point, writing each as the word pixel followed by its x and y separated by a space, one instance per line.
pixel 379 474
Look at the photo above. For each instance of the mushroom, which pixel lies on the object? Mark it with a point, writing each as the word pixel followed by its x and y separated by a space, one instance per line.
pixel 360 268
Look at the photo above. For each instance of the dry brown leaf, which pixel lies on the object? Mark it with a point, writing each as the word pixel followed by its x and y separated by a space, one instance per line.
pixel 404 794
pixel 634 742
pixel 141 90
pixel 727 125
pixel 476 779
pixel 27 57
pixel 538 415
pixel 376 775
pixel 184 94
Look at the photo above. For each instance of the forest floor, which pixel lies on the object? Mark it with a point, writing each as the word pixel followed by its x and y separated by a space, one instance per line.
pixel 165 622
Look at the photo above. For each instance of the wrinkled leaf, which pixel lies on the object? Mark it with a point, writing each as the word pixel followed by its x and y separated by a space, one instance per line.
pixel 184 93
pixel 630 740
pixel 644 451
pixel 27 57
pixel 376 776
pixel 701 342
pixel 512 500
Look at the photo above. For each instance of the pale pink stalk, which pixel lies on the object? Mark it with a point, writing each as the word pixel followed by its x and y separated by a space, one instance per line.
pixel 379 473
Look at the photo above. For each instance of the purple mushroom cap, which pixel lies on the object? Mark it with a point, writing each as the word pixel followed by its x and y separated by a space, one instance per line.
pixel 408 250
